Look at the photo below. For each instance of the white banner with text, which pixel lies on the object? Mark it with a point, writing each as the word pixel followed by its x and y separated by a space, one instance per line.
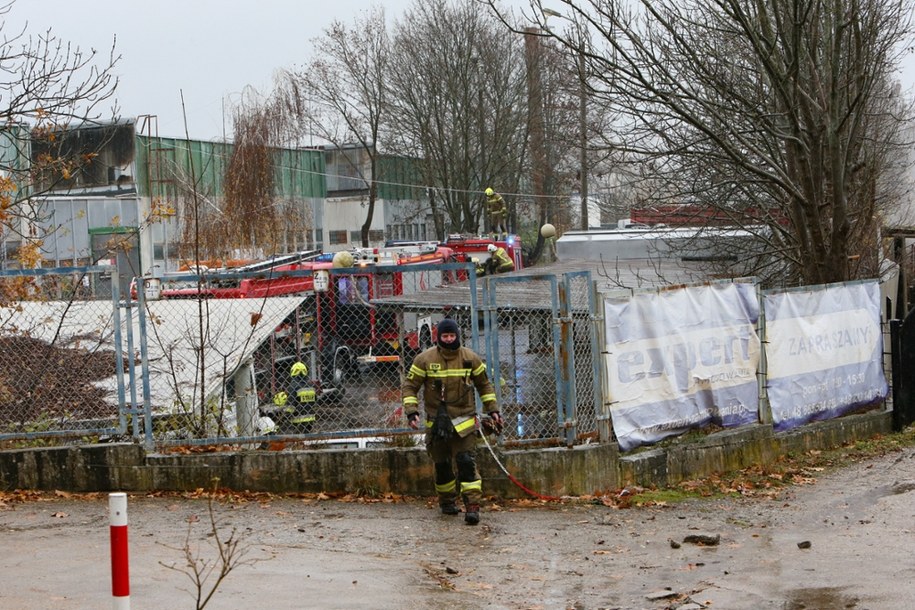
pixel 824 352
pixel 681 359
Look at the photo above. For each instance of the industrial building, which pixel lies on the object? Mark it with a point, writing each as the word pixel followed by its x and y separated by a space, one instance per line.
pixel 132 205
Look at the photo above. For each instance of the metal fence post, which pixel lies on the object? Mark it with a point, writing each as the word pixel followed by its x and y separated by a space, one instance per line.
pixel 474 324
pixel 595 306
pixel 144 363
pixel 119 359
pixel 764 411
pixel 558 370
pixel 567 360
pixel 491 333
pixel 899 417
pixel 131 369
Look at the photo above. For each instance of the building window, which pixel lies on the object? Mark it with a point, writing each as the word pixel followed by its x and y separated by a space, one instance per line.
pixel 376 235
pixel 337 237
pixel 10 252
pixel 355 237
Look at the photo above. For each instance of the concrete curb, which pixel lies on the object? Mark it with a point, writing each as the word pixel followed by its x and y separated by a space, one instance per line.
pixel 580 470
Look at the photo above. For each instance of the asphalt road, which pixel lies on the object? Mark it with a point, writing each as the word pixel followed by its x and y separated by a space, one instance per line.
pixel 843 541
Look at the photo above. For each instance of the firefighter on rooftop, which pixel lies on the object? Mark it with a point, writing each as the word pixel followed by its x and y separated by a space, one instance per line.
pixel 448 373
pixel 498 212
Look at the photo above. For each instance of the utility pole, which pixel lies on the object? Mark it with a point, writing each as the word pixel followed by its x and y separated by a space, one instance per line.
pixel 582 112
pixel 541 167
pixel 583 127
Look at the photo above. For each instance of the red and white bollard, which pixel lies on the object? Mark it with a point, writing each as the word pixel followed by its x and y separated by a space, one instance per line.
pixel 120 573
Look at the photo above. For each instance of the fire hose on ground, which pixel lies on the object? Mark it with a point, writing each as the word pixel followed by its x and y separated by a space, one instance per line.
pixel 490 426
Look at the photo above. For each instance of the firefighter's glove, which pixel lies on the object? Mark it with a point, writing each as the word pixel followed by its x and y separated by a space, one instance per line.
pixel 442 428
pixel 413 420
pixel 494 423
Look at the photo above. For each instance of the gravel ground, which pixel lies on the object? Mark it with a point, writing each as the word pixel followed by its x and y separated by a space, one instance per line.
pixel 844 540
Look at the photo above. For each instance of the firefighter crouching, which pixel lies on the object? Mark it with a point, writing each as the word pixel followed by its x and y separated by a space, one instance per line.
pixel 448 374
pixel 294 409
pixel 499 260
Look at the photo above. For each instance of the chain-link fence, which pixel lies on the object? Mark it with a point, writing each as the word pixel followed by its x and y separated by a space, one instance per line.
pixel 527 373
pixel 315 352
pixel 585 393
pixel 541 351
pixel 59 357
pixel 312 353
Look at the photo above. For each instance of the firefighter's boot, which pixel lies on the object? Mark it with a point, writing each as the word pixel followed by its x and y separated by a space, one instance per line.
pixel 471 486
pixel 471 513
pixel 448 506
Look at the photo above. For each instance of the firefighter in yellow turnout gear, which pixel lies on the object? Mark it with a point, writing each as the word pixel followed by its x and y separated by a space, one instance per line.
pixel 499 260
pixel 295 408
pixel 448 374
pixel 498 212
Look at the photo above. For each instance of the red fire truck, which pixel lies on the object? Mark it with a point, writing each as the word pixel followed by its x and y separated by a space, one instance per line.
pixel 477 247
pixel 465 248
pixel 336 330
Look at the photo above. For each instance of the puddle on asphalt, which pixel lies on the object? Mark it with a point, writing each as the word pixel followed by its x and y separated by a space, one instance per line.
pixel 826 598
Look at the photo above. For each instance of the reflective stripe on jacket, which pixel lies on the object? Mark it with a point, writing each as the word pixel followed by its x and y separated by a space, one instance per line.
pixel 454 373
pixel 496 204
pixel 503 262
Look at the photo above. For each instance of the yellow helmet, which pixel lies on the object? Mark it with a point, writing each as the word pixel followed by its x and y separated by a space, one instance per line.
pixel 489 192
pixel 298 368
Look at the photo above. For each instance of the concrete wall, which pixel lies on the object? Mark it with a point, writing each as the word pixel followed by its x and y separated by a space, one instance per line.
pixel 580 470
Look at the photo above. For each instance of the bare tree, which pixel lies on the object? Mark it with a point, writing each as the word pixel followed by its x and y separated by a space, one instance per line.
pixel 341 95
pixel 776 114
pixel 228 552
pixel 47 86
pixel 458 97
pixel 249 188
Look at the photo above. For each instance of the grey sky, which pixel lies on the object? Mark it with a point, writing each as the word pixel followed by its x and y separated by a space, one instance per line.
pixel 209 50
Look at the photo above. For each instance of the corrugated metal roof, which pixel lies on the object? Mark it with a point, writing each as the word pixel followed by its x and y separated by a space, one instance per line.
pixel 651 243
pixel 535 294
